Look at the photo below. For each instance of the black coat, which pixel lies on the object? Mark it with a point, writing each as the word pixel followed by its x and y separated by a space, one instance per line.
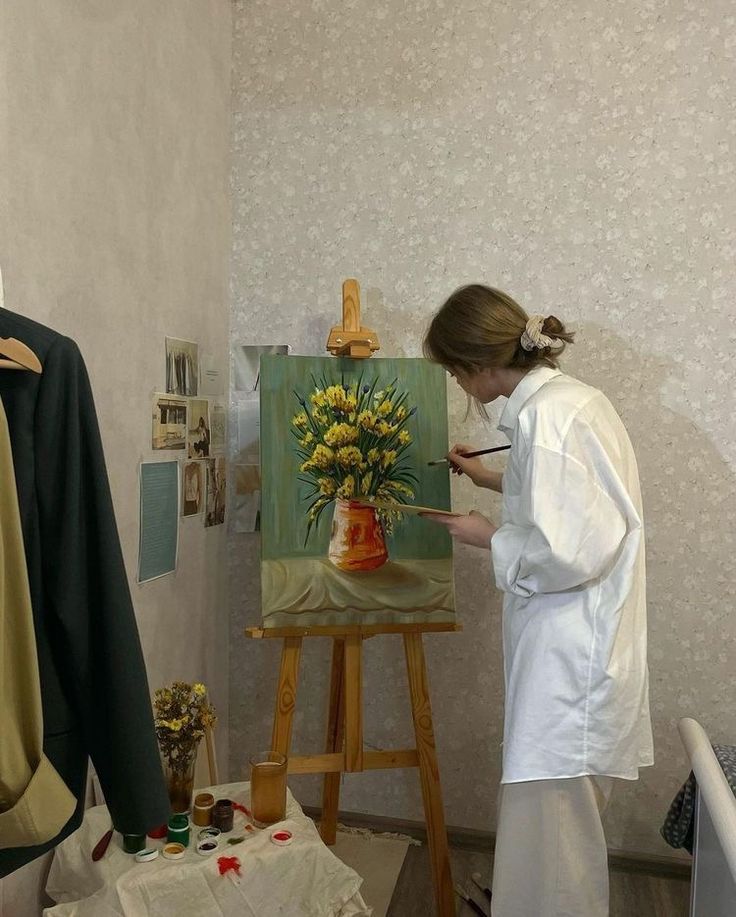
pixel 94 689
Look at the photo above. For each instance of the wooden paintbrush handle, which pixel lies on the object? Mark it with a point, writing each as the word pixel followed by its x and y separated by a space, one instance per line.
pixel 102 845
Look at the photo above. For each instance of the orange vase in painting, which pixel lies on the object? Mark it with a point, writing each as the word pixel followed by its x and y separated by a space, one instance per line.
pixel 357 542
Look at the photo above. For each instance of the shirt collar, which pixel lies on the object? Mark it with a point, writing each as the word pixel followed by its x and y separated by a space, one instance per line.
pixel 529 385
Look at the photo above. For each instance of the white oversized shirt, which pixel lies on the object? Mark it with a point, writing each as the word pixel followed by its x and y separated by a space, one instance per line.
pixel 569 558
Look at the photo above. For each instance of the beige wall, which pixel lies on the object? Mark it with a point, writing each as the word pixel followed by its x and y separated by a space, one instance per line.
pixel 115 230
pixel 580 156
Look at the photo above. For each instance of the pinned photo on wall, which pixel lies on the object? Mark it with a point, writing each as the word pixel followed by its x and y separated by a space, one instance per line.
pixel 182 367
pixel 218 427
pixel 211 376
pixel 159 519
pixel 246 514
pixel 198 432
pixel 169 422
pixel 193 489
pixel 249 433
pixel 247 358
pixel 216 483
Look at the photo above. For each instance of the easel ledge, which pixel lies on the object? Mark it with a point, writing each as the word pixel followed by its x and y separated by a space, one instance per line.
pixel 350 630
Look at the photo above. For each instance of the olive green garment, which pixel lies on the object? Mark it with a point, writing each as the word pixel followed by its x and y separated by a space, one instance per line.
pixel 35 803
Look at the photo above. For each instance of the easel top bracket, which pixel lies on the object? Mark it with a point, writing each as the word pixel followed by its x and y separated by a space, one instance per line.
pixel 350 339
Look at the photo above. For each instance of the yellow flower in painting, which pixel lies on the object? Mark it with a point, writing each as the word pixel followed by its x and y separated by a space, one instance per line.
pixel 347 488
pixel 327 486
pixel 404 437
pixel 318 398
pixel 175 725
pixel 340 399
pixel 365 484
pixel 319 417
pixel 385 407
pixel 322 457
pixel 400 412
pixel 401 488
pixel 349 455
pixel 379 396
pixel 308 438
pixel 341 434
pixel 367 420
pixel 373 456
pixel 388 458
pixel 199 689
pixel 300 420
pixel 385 429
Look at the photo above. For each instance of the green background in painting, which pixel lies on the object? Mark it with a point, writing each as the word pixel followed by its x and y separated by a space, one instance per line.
pixel 283 509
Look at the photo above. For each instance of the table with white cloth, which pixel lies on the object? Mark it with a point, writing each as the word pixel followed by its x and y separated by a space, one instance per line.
pixel 303 879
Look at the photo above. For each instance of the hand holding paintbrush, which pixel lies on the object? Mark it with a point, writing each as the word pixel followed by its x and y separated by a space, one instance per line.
pixel 463 459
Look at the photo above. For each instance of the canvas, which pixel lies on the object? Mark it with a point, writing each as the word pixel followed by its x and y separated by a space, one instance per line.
pixel 336 436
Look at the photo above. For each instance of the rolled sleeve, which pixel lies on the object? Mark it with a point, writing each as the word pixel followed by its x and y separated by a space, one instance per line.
pixel 566 532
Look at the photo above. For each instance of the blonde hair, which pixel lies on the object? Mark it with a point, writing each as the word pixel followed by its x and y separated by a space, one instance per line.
pixel 479 327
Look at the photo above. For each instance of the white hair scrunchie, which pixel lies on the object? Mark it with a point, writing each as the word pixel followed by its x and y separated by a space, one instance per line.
pixel 532 336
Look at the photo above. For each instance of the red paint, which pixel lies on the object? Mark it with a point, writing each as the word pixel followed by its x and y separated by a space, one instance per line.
pixel 227 864
pixel 282 835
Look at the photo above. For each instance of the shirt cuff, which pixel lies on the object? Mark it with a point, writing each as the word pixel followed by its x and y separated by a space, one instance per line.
pixel 41 812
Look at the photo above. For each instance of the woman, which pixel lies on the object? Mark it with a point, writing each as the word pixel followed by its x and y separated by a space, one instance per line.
pixel 569 558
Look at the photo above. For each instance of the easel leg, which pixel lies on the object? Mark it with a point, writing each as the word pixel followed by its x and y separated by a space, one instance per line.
pixel 335 733
pixel 353 703
pixel 429 773
pixel 286 695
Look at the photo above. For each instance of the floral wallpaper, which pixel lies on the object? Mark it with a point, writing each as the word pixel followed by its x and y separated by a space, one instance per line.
pixel 580 156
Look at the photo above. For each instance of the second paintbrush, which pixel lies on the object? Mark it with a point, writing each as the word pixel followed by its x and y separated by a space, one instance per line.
pixel 445 461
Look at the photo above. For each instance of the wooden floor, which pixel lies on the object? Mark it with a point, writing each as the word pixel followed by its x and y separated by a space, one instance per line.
pixel 632 894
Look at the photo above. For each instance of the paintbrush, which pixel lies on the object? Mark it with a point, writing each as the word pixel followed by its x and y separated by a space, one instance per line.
pixel 459 890
pixel 484 888
pixel 446 461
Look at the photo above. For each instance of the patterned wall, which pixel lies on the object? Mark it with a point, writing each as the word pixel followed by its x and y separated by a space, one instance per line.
pixel 580 156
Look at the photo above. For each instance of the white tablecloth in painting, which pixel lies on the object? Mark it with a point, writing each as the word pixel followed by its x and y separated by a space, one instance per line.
pixel 303 879
pixel 305 591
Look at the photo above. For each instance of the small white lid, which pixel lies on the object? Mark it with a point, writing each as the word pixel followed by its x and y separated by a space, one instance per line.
pixel 145 856
pixel 281 837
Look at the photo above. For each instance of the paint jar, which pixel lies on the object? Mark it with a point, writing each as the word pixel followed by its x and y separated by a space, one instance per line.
pixel 223 814
pixel 204 803
pixel 178 830
pixel 132 843
pixel 268 788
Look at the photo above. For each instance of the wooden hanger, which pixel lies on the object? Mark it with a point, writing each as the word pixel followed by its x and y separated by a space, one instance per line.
pixel 18 355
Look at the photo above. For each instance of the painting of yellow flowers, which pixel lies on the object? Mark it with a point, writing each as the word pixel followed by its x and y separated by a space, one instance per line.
pixel 340 440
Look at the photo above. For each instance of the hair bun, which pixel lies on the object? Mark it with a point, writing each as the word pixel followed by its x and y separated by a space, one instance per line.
pixel 554 328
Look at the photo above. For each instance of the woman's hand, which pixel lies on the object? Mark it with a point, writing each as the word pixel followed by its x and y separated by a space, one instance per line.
pixel 473 467
pixel 473 529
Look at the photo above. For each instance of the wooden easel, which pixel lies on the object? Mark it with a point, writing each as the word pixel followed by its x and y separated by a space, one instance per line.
pixel 344 752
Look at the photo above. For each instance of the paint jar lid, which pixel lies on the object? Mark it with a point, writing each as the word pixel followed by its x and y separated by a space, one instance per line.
pixel 281 837
pixel 174 851
pixel 204 801
pixel 179 822
pixel 145 856
pixel 209 833
pixel 224 804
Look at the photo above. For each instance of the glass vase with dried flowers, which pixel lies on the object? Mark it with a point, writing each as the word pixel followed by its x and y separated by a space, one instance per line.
pixel 182 713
